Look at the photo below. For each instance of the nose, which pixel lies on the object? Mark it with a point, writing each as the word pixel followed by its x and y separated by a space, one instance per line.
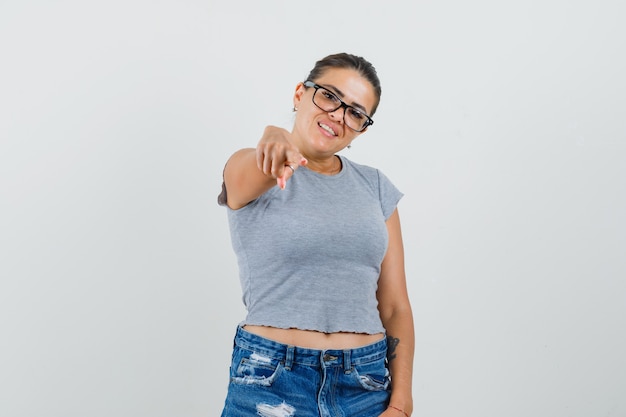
pixel 337 114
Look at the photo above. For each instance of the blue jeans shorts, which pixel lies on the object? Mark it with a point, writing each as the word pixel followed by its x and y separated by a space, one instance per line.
pixel 270 379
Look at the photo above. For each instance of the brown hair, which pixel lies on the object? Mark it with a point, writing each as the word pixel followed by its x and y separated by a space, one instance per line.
pixel 349 61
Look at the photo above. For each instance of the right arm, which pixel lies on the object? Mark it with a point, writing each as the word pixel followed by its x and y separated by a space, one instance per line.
pixel 251 172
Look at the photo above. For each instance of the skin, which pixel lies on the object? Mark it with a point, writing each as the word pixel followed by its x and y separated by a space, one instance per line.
pixel 251 172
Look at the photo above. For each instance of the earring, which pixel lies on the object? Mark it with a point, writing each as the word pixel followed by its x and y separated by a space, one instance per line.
pixel 295 108
pixel 349 146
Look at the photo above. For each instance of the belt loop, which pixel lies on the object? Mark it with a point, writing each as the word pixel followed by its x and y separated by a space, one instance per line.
pixel 347 361
pixel 289 358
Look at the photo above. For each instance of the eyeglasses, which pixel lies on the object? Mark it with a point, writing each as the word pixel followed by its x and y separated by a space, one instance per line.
pixel 326 100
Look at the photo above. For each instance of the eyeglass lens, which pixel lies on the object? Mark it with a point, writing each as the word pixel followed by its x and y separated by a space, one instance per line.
pixel 329 102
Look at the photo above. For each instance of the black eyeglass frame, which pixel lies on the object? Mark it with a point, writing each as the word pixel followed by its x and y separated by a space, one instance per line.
pixel 343 104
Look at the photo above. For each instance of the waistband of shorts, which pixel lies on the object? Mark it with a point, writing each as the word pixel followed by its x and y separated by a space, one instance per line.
pixel 307 356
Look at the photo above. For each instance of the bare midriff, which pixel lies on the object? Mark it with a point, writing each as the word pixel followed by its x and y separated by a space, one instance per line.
pixel 315 340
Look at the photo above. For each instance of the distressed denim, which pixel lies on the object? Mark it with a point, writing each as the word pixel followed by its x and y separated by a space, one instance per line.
pixel 270 379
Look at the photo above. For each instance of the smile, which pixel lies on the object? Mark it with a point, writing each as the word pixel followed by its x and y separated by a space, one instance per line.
pixel 327 128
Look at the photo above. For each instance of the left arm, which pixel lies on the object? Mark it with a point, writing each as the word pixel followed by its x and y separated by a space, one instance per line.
pixel 397 317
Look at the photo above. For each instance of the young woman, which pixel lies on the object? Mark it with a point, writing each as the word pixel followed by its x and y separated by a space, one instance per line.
pixel 329 327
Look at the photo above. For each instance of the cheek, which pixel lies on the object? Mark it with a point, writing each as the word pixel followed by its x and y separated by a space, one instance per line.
pixel 351 135
pixel 305 114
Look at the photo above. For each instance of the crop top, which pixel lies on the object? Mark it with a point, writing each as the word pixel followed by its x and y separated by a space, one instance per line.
pixel 309 256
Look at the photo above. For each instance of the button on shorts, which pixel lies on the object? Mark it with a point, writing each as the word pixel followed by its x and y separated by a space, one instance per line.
pixel 271 379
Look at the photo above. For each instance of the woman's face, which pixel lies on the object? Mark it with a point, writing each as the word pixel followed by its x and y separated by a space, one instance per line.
pixel 323 133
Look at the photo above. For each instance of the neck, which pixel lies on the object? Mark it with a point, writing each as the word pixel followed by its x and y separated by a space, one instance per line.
pixel 330 166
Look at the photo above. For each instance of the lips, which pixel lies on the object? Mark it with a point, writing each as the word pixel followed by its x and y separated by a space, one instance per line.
pixel 327 128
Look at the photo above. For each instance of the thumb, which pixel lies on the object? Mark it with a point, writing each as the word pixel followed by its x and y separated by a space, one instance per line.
pixel 295 158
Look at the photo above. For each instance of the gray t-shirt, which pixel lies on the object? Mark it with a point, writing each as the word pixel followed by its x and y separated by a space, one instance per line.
pixel 309 256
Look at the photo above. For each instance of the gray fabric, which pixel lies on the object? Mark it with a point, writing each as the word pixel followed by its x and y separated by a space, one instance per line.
pixel 309 256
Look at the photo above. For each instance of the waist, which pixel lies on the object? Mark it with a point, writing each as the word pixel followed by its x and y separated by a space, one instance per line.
pixel 309 356
pixel 312 339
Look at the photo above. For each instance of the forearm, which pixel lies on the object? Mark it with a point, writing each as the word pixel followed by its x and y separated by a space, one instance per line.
pixel 244 180
pixel 251 172
pixel 401 346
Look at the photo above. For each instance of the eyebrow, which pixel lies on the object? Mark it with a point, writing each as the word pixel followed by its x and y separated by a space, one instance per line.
pixel 339 93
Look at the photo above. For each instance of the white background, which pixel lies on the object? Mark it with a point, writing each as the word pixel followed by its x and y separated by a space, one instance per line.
pixel 502 122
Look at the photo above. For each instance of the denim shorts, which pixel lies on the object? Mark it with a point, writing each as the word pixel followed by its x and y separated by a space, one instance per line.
pixel 271 379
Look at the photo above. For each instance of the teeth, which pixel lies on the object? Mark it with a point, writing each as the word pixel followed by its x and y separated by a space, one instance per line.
pixel 327 128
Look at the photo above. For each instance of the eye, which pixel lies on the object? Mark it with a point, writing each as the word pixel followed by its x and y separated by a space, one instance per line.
pixel 329 96
pixel 356 114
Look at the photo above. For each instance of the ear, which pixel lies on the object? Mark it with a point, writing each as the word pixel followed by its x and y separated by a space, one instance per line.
pixel 297 96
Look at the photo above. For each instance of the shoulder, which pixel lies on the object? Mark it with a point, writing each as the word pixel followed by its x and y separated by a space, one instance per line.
pixel 377 182
pixel 359 168
pixel 371 174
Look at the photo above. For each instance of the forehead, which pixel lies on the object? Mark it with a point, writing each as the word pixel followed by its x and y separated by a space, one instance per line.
pixel 350 86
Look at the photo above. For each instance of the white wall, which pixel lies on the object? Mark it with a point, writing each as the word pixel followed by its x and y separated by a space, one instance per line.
pixel 503 123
